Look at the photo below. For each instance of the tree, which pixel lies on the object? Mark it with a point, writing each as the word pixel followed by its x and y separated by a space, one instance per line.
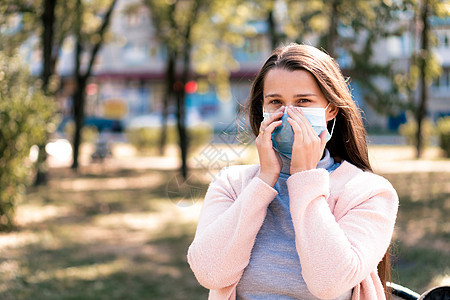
pixel 371 21
pixel 174 22
pixel 340 26
pixel 86 37
pixel 50 51
pixel 424 66
pixel 17 24
pixel 425 61
pixel 421 110
pixel 198 36
pixel 55 26
pixel 25 115
pixel 164 21
pixel 49 19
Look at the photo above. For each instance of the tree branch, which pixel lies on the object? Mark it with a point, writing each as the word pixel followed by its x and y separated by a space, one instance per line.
pixel 15 7
pixel 101 33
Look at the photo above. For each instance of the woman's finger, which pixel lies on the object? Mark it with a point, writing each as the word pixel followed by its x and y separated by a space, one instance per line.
pixel 272 117
pixel 301 118
pixel 323 139
pixel 267 133
pixel 265 136
pixel 298 131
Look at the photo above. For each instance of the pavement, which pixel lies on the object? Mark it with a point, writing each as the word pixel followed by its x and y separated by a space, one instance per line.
pixel 385 158
pixel 389 159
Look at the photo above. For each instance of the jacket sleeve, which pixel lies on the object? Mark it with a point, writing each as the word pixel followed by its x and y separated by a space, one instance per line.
pixel 227 228
pixel 338 251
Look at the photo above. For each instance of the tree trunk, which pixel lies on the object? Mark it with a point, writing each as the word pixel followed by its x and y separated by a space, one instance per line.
pixel 79 96
pixel 41 166
pixel 274 39
pixel 170 82
pixel 48 20
pixel 78 114
pixel 182 132
pixel 424 53
pixel 48 63
pixel 181 111
pixel 332 31
pixel 181 92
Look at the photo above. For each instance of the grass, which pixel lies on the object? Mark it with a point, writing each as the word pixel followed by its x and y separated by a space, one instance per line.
pixel 421 247
pixel 82 241
pixel 124 234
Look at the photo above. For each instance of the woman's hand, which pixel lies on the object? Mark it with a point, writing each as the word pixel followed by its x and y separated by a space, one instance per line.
pixel 308 148
pixel 269 160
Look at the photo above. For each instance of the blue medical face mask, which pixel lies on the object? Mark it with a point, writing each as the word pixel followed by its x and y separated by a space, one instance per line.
pixel 283 135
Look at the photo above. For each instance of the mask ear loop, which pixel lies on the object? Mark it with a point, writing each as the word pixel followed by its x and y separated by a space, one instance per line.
pixel 332 128
pixel 334 120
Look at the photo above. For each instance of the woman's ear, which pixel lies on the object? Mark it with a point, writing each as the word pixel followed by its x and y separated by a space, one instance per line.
pixel 331 112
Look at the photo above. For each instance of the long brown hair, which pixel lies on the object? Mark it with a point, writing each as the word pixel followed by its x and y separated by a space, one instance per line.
pixel 348 141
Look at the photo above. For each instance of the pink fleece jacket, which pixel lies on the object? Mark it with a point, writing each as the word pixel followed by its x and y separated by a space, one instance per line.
pixel 343 223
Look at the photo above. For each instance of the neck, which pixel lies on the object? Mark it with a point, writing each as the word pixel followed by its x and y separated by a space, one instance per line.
pixel 326 162
pixel 286 164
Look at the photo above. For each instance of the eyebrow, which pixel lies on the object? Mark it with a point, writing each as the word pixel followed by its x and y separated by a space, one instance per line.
pixel 295 96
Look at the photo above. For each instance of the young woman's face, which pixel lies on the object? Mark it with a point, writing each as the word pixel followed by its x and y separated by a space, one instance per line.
pixel 296 88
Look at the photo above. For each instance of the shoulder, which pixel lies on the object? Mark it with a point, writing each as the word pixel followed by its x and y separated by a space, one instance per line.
pixel 357 186
pixel 236 175
pixel 232 180
pixel 350 176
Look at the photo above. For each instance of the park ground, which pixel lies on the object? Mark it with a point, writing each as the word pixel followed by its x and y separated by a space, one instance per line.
pixel 120 229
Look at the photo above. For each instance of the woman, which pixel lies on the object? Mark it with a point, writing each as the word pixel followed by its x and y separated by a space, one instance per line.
pixel 311 221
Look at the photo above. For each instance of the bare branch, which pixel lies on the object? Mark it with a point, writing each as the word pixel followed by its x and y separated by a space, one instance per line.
pixel 101 34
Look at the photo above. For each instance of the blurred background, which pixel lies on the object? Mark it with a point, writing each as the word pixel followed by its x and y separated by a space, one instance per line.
pixel 116 115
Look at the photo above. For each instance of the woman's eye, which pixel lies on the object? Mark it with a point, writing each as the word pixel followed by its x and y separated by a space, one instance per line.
pixel 275 101
pixel 303 101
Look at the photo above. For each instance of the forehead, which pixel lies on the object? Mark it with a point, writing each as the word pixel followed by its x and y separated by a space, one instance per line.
pixel 281 80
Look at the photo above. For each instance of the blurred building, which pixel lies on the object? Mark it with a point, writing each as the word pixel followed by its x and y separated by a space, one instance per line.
pixel 128 77
pixel 440 89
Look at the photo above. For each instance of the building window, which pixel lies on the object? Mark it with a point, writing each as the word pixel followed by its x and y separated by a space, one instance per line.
pixel 443 38
pixel 133 20
pixel 254 47
pixel 448 79
pixel 437 82
pixel 442 83
pixel 135 53
pixel 136 16
pixel 154 50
